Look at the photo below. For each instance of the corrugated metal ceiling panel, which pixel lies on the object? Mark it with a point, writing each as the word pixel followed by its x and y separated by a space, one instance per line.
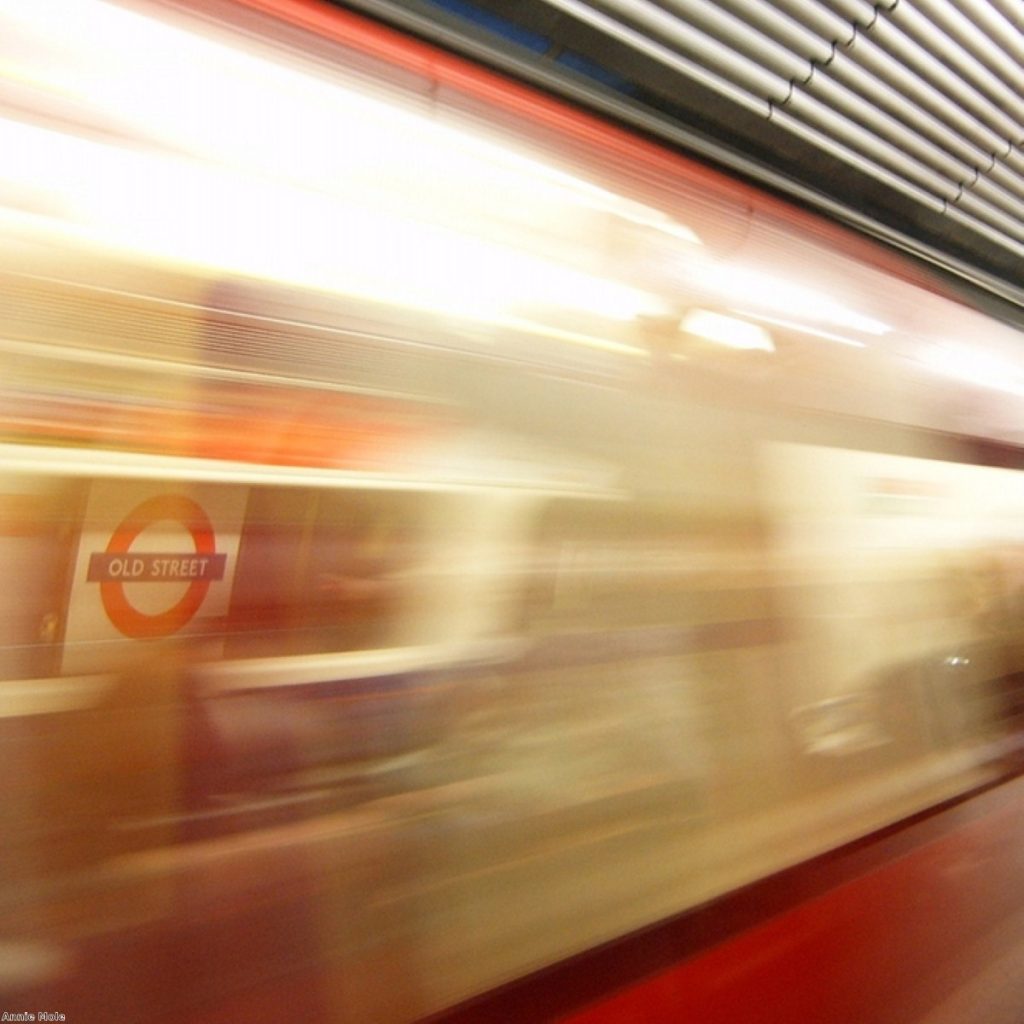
pixel 910 88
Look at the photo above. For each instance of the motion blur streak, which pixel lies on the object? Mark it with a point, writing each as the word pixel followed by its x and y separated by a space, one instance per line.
pixel 443 535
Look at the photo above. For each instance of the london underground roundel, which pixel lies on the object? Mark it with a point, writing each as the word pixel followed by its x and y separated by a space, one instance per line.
pixel 121 564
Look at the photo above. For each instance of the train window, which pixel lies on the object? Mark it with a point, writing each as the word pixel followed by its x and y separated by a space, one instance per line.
pixel 322 572
pixel 638 566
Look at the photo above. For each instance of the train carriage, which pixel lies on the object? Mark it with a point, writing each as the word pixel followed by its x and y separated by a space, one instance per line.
pixel 468 562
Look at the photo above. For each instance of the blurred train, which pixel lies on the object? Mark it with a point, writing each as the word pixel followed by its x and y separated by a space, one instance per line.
pixel 463 561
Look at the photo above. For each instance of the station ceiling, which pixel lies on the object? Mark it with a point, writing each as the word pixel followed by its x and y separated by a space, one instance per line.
pixel 902 118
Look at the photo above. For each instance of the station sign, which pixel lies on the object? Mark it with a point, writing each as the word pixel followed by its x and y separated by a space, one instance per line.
pixel 150 568
pixel 154 562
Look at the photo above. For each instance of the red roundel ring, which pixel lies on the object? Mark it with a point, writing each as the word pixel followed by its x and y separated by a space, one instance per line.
pixel 129 620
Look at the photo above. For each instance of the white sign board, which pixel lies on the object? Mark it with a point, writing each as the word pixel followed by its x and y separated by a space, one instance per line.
pixel 155 561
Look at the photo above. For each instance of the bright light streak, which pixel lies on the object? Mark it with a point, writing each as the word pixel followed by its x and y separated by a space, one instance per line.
pixel 793 325
pixel 263 169
pixel 587 340
pixel 975 367
pixel 180 209
pixel 727 330
pixel 194 94
pixel 760 291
